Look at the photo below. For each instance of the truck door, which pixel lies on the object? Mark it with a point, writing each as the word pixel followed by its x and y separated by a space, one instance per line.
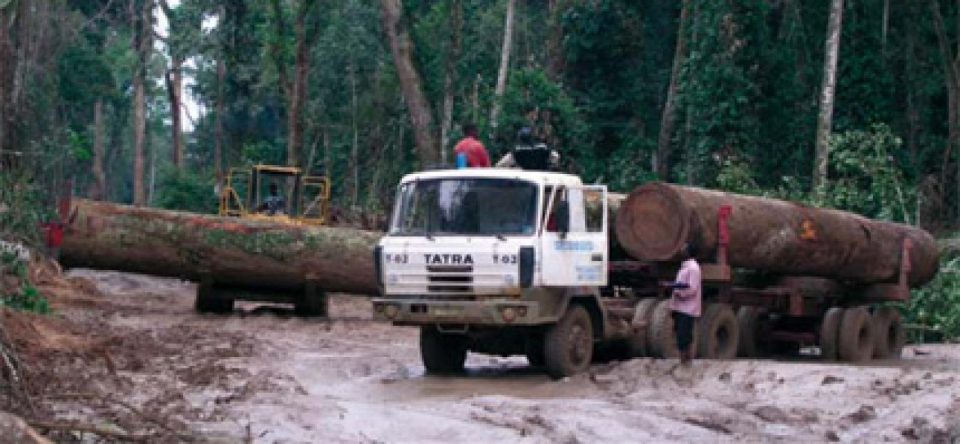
pixel 573 236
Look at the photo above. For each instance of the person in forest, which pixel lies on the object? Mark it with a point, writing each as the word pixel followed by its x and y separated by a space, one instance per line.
pixel 471 148
pixel 685 303
pixel 529 154
pixel 274 203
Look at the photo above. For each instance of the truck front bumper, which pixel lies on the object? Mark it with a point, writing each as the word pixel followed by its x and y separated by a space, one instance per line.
pixel 500 312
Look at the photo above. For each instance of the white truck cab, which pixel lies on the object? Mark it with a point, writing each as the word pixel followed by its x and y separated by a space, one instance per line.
pixel 494 260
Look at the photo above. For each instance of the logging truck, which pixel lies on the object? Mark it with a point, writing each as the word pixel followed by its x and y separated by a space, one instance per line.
pixel 511 262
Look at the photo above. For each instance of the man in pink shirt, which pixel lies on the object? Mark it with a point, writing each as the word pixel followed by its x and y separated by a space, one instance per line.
pixel 472 148
pixel 685 303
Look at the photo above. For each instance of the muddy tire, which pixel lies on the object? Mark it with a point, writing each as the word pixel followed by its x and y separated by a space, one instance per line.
pixel 442 353
pixel 888 333
pixel 830 334
pixel 718 334
pixel 637 344
pixel 568 344
pixel 312 303
pixel 661 339
pixel 750 321
pixel 855 343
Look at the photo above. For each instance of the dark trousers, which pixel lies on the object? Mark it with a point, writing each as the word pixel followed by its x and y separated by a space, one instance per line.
pixel 683 328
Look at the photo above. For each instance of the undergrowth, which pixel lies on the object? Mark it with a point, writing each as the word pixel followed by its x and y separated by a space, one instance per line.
pixel 23 296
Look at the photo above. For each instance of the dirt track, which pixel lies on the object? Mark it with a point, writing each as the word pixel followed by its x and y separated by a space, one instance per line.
pixel 265 375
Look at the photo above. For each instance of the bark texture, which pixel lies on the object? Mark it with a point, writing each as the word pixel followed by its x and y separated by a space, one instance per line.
pixel 505 52
pixel 669 117
pixel 98 188
pixel 238 252
pixel 951 68
pixel 770 235
pixel 449 74
pixel 174 80
pixel 142 16
pixel 401 46
pixel 827 93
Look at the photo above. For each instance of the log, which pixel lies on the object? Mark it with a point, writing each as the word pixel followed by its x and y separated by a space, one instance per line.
pixel 771 235
pixel 239 252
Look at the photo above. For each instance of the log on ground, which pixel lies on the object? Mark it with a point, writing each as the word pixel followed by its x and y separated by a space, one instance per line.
pixel 240 252
pixel 771 235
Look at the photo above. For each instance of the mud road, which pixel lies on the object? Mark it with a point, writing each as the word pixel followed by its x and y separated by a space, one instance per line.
pixel 263 375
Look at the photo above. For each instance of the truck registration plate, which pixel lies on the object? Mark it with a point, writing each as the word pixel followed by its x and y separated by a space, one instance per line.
pixel 446 311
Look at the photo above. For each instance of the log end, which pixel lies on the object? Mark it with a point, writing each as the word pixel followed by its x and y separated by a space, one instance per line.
pixel 653 223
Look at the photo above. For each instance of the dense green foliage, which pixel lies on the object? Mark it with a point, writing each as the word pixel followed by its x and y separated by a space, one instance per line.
pixel 24 295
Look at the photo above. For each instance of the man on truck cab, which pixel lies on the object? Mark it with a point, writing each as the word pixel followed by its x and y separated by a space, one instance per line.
pixel 686 302
pixel 471 147
pixel 529 154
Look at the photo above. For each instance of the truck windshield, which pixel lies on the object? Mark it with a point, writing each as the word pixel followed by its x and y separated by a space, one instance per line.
pixel 460 206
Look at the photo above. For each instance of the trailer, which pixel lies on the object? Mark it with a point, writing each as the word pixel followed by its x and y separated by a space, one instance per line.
pixel 511 262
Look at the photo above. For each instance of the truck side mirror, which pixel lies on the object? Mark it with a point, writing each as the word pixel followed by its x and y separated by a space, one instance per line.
pixel 563 218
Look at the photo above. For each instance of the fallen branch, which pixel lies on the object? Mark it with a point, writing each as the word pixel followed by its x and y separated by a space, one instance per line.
pixel 79 427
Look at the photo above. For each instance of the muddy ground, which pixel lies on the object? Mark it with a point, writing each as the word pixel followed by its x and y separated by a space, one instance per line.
pixel 127 352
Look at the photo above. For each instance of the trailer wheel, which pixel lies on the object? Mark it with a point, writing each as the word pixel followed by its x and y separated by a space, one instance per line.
pixel 442 353
pixel 718 335
pixel 568 344
pixel 750 320
pixel 661 339
pixel 830 333
pixel 638 346
pixel 888 332
pixel 312 303
pixel 855 343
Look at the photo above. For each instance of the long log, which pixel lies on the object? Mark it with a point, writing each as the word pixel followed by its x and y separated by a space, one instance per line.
pixel 771 235
pixel 239 252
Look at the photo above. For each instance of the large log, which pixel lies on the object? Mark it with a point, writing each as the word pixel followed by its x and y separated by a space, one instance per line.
pixel 237 252
pixel 776 236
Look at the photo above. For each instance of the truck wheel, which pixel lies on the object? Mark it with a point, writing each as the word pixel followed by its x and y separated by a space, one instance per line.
pixel 661 339
pixel 888 332
pixel 750 320
pixel 312 303
pixel 637 344
pixel 855 343
pixel 442 353
pixel 568 344
pixel 830 333
pixel 718 333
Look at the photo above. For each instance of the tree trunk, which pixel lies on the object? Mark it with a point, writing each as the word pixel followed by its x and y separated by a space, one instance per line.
pixel 771 235
pixel 669 117
pixel 6 54
pixel 240 252
pixel 141 13
pixel 555 58
pixel 450 70
pixel 98 189
pixel 299 90
pixel 401 46
pixel 951 75
pixel 505 52
pixel 827 93
pixel 218 122
pixel 174 80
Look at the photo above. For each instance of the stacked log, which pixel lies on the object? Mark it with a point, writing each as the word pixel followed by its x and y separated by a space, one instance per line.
pixel 658 219
pixel 239 252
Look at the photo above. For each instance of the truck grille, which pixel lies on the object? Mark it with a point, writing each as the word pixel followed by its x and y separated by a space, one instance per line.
pixel 450 278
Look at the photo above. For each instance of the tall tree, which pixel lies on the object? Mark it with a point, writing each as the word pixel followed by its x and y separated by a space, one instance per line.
pixel 827 94
pixel 98 189
pixel 449 73
pixel 411 85
pixel 950 59
pixel 173 79
pixel 505 50
pixel 298 91
pixel 141 16
pixel 669 116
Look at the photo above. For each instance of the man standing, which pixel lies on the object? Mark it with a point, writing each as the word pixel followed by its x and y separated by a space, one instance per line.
pixel 685 303
pixel 471 147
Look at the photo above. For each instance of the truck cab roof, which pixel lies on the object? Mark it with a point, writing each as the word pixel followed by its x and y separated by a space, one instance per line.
pixel 543 177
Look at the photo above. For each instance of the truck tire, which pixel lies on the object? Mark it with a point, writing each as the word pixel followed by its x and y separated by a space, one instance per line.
pixel 442 353
pixel 718 333
pixel 830 334
pixel 637 345
pixel 855 342
pixel 888 332
pixel 312 303
pixel 750 321
pixel 568 344
pixel 661 339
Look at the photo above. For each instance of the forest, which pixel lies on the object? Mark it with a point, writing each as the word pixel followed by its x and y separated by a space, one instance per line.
pixel 850 104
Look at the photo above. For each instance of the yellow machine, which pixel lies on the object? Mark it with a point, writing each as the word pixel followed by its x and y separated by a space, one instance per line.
pixel 277 193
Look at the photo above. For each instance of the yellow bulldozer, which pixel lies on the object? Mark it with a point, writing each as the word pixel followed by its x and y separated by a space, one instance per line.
pixel 276 193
